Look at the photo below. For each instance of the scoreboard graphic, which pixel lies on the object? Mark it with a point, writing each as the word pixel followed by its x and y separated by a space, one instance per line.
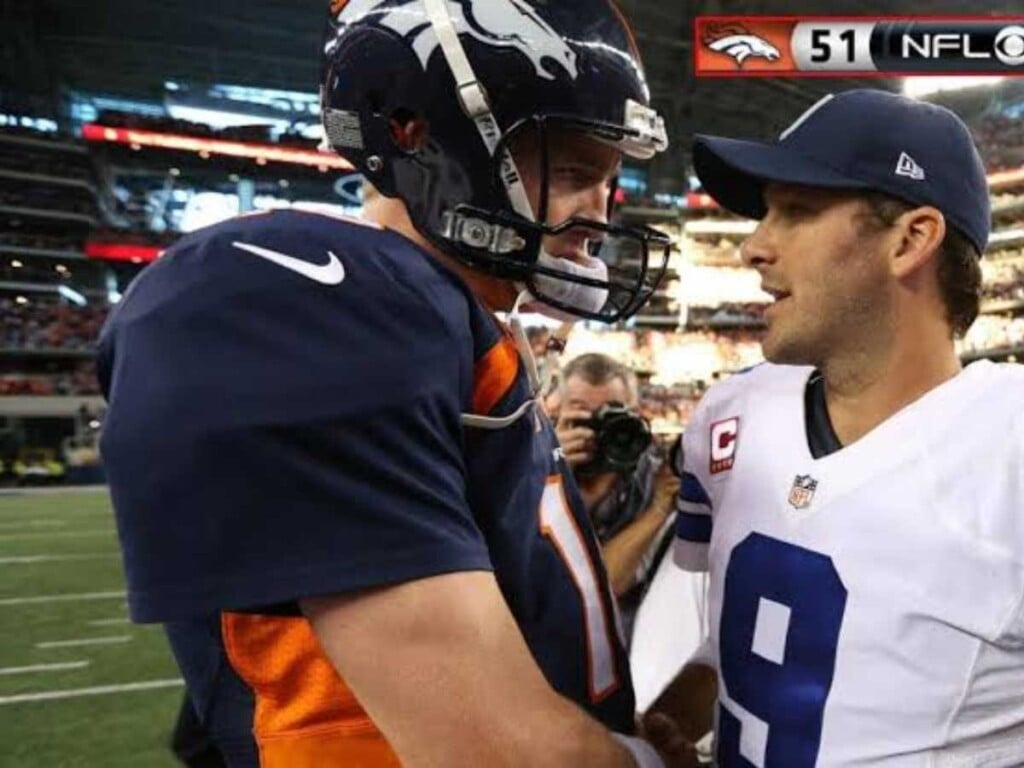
pixel 833 46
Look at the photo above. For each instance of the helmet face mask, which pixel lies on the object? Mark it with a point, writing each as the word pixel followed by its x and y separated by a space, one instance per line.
pixel 570 169
pixel 572 76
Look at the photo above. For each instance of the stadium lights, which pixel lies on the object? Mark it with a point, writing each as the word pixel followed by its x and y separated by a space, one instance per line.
pixel 261 153
pixel 920 87
pixel 112 251
pixel 219 118
pixel 72 295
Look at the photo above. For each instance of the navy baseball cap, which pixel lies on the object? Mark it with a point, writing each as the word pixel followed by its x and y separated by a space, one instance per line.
pixel 859 140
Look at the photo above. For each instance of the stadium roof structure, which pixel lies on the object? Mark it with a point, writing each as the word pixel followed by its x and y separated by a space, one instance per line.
pixel 131 49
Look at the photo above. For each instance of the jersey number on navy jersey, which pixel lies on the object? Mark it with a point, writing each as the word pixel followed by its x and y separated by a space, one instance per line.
pixel 782 610
pixel 558 525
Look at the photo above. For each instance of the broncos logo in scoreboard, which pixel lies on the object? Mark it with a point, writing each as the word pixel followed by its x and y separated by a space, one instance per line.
pixel 737 41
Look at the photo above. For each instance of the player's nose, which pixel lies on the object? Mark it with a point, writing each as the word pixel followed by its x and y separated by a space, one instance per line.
pixel 759 249
pixel 593 204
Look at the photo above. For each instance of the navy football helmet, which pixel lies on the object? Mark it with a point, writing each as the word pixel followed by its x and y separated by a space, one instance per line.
pixel 482 74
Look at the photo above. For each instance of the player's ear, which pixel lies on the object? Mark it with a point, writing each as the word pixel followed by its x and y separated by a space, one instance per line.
pixel 918 236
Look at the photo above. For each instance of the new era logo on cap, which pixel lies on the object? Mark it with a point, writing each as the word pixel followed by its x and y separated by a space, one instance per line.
pixel 906 166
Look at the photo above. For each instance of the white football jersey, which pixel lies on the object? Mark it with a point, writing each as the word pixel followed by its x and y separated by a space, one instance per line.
pixel 669 628
pixel 866 606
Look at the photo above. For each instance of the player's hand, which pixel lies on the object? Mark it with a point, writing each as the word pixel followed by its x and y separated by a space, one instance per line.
pixel 666 488
pixel 577 441
pixel 665 736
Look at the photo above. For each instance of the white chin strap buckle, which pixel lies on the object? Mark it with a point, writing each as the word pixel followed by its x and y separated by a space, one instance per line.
pixel 480 234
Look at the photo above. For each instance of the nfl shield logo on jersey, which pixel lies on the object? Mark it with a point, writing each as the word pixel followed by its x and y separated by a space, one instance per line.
pixel 802 492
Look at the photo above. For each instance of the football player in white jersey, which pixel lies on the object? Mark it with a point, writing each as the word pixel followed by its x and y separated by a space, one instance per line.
pixel 859 499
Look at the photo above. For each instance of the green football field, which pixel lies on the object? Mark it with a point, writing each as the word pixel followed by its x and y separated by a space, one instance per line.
pixel 79 685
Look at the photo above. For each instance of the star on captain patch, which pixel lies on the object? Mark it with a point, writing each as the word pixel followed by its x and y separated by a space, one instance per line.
pixel 802 491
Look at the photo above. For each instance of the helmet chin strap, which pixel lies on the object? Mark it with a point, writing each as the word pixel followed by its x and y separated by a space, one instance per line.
pixel 523 343
pixel 476 105
pixel 476 232
pixel 529 362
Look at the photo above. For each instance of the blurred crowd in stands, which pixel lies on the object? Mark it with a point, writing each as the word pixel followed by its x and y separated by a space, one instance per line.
pixel 991 332
pixel 55 199
pixel 1004 279
pixel 78 380
pixel 38 241
pixel 727 313
pixel 1001 141
pixel 720 305
pixel 41 322
pixel 62 165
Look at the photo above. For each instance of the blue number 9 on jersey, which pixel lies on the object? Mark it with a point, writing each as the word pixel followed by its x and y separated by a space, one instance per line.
pixel 782 610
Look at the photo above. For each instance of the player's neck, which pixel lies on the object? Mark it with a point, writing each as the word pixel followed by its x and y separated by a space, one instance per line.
pixel 497 295
pixel 865 388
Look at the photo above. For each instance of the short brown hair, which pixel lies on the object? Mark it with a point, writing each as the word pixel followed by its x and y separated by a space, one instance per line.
pixel 597 369
pixel 959 270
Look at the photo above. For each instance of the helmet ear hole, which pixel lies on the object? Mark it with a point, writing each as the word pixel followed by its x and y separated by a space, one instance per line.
pixel 373 99
pixel 408 131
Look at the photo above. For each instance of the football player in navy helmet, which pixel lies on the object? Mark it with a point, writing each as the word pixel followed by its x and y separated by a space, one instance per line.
pixel 331 477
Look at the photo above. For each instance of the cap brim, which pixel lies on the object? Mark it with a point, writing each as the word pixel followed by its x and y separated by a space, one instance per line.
pixel 734 172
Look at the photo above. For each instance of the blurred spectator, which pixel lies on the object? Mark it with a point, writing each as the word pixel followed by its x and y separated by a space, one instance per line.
pixel 627 489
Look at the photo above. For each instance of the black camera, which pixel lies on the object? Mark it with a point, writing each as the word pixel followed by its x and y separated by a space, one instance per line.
pixel 620 439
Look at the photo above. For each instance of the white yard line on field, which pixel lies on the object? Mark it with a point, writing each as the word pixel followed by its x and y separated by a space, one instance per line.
pixel 15 524
pixel 108 640
pixel 68 598
pixel 109 622
pixel 58 535
pixel 59 667
pixel 61 490
pixel 99 690
pixel 31 559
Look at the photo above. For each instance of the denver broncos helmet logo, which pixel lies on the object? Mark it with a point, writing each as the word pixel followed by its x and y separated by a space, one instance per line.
pixel 737 41
pixel 501 23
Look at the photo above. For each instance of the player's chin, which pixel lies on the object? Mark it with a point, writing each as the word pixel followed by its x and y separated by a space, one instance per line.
pixel 784 348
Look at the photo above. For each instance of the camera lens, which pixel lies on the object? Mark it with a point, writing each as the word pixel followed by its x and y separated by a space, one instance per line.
pixel 623 439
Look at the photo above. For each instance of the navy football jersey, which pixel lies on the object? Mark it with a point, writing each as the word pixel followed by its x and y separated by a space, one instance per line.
pixel 288 401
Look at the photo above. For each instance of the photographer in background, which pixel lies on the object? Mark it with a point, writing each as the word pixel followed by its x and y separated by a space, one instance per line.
pixel 629 492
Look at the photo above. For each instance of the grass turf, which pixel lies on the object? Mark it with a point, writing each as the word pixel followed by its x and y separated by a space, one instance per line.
pixel 65 544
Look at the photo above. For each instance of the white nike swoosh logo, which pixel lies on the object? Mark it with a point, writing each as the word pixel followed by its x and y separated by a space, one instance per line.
pixel 331 273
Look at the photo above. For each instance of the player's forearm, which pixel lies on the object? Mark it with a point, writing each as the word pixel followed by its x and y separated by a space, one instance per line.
pixel 623 553
pixel 564 735
pixel 689 701
pixel 542 732
pixel 441 668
